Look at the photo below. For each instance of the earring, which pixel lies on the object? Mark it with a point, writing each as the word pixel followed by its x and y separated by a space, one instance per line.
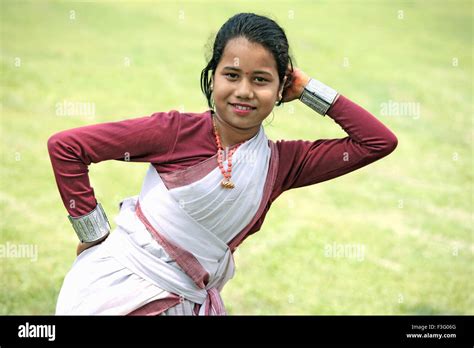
pixel 279 99
pixel 212 100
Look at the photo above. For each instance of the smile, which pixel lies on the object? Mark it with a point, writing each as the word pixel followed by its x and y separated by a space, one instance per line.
pixel 242 107
pixel 242 110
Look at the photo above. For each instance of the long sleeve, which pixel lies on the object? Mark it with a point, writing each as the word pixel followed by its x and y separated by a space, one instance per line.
pixel 144 139
pixel 305 163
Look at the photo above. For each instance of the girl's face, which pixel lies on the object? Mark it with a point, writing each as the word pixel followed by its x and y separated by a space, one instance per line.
pixel 247 76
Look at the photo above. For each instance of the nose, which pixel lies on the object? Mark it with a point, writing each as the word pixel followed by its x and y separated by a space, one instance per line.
pixel 244 89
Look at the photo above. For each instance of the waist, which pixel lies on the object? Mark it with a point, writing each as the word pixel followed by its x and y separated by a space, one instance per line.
pixel 135 246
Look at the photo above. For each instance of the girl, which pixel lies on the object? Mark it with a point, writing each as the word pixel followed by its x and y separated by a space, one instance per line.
pixel 211 180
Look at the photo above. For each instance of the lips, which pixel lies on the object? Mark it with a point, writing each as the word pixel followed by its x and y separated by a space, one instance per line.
pixel 242 106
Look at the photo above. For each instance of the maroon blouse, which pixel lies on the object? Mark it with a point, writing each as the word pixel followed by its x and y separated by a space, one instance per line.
pixel 174 141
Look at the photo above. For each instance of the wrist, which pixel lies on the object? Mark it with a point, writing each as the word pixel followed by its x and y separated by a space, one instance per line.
pixel 318 96
pixel 92 227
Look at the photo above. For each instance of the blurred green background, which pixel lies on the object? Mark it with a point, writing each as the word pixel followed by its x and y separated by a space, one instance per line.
pixel 412 211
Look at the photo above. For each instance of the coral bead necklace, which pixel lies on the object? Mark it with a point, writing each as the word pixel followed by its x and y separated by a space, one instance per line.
pixel 226 182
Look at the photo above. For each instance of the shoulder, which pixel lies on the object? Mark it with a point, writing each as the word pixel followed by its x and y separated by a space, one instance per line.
pixel 182 119
pixel 292 157
pixel 190 116
pixel 193 135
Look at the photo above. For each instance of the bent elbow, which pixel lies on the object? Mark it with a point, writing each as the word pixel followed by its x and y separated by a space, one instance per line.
pixel 392 143
pixel 55 142
pixel 383 146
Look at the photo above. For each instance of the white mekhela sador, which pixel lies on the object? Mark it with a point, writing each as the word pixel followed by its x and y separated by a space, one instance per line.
pixel 130 268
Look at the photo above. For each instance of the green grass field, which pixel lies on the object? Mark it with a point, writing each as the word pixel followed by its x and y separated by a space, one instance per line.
pixel 411 211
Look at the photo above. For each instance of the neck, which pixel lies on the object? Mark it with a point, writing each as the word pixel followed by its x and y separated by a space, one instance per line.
pixel 230 135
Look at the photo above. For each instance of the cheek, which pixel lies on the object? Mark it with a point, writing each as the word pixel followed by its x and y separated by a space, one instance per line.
pixel 268 96
pixel 221 85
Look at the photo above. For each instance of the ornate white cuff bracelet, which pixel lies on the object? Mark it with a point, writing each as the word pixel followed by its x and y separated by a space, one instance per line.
pixel 318 96
pixel 91 227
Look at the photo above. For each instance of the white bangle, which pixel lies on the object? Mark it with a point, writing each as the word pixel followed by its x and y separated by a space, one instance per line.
pixel 318 96
pixel 91 227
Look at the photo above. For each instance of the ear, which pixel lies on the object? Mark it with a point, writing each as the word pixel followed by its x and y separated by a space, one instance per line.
pixel 282 86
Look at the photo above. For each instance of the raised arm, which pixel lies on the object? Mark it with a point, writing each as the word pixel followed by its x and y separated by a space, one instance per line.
pixel 305 163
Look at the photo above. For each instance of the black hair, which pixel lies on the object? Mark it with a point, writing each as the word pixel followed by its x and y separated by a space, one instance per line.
pixel 256 29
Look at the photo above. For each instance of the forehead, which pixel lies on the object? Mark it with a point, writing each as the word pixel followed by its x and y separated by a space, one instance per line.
pixel 248 56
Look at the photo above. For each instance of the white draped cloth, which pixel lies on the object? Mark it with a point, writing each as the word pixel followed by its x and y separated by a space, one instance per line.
pixel 131 268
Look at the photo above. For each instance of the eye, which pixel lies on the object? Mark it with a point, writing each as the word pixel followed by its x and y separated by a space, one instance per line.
pixel 260 79
pixel 231 76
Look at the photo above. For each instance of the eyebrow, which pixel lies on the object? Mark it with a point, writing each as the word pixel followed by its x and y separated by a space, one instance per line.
pixel 255 71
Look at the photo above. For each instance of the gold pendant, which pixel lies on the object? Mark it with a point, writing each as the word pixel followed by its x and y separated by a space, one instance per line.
pixel 227 184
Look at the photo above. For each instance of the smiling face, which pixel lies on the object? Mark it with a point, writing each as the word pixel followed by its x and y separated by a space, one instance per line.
pixel 245 85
